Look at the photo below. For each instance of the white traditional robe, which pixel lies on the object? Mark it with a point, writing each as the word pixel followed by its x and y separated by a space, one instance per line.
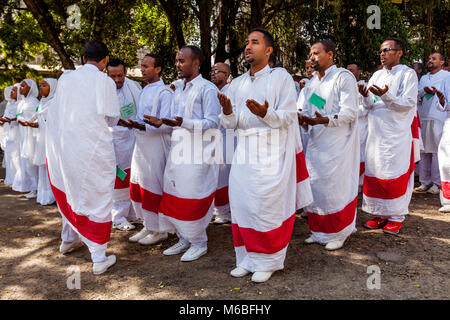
pixel 44 191
pixel 221 199
pixel 190 180
pixel 300 102
pixel 362 127
pixel 389 175
pixel 10 140
pixel 150 154
pixel 332 157
pixel 268 178
pixel 444 147
pixel 26 178
pixel 124 140
pixel 432 124
pixel 80 151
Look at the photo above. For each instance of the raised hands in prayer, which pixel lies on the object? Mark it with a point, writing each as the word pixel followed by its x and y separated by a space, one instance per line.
pixel 136 125
pixel 433 90
pixel 227 108
pixel 124 123
pixel 25 124
pixel 172 123
pixel 440 96
pixel 153 121
pixel 305 121
pixel 363 90
pixel 258 109
pixel 377 90
pixel 33 124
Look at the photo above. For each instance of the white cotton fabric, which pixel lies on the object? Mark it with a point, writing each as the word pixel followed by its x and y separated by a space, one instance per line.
pixel 389 140
pixel 152 148
pixel 444 146
pixel 192 177
pixel 263 180
pixel 26 177
pixel 80 150
pixel 333 156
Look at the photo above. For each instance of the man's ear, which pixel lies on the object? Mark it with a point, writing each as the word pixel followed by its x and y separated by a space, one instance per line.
pixel 269 51
pixel 84 60
pixel 158 70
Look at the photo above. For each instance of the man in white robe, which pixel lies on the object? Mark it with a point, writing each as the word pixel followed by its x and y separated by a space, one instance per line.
pixel 432 123
pixel 220 74
pixel 355 68
pixel 444 147
pixel 80 154
pixel 332 157
pixel 151 150
pixel 268 178
pixel 190 177
pixel 389 177
pixel 124 138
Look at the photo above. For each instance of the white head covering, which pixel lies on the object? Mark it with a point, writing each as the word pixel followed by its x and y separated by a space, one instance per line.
pixel 17 85
pixel 53 83
pixel 34 92
pixel 7 93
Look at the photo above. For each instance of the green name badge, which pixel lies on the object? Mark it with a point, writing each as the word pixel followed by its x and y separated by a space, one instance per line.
pixel 375 99
pixel 127 111
pixel 316 100
pixel 120 173
pixel 18 114
pixel 428 96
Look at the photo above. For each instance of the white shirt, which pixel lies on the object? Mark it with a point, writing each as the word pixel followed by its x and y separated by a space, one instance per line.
pixel 428 106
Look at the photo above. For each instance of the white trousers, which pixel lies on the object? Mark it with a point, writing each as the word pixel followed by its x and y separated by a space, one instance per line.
pixel 69 234
pixel 429 169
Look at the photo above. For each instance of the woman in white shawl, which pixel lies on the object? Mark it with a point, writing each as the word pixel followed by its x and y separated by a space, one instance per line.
pixel 27 176
pixel 47 89
pixel 9 128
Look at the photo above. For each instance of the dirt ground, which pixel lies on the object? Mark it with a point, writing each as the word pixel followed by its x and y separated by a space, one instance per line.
pixel 413 264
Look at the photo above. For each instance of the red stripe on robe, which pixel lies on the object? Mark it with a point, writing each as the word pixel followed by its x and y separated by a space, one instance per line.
pixel 150 201
pixel 445 187
pixel 362 168
pixel 267 242
pixel 221 197
pixel 125 184
pixel 389 188
pixel 98 232
pixel 415 128
pixel 333 222
pixel 185 209
pixel 302 171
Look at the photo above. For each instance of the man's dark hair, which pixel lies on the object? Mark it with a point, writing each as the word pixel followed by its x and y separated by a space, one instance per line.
pixel 420 65
pixel 196 53
pixel 441 56
pixel 95 50
pixel 398 43
pixel 267 36
pixel 116 63
pixel 357 63
pixel 159 61
pixel 328 45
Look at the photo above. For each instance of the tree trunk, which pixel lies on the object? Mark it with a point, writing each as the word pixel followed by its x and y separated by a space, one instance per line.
pixel 39 10
pixel 172 9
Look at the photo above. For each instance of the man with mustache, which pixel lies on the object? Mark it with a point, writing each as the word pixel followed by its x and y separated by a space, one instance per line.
pixel 391 99
pixel 432 122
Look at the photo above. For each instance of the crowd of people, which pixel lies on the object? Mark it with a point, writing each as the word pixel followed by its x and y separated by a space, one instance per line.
pixel 252 151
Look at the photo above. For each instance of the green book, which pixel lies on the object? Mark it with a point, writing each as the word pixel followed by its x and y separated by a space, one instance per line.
pixel 428 96
pixel 316 100
pixel 120 173
pixel 127 111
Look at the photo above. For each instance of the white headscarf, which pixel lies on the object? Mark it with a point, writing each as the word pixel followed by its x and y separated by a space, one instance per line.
pixel 34 92
pixel 44 103
pixel 7 93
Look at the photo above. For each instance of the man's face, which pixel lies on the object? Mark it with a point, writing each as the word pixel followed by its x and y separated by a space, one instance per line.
pixel 24 89
pixel 44 88
pixel 434 62
pixel 389 57
pixel 353 68
pixel 118 74
pixel 219 74
pixel 186 65
pixel 256 50
pixel 14 93
pixel 148 70
pixel 309 69
pixel 319 57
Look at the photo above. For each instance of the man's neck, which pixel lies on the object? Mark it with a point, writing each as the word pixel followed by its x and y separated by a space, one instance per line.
pixel 390 66
pixel 321 72
pixel 153 80
pixel 95 64
pixel 435 70
pixel 221 85
pixel 254 68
